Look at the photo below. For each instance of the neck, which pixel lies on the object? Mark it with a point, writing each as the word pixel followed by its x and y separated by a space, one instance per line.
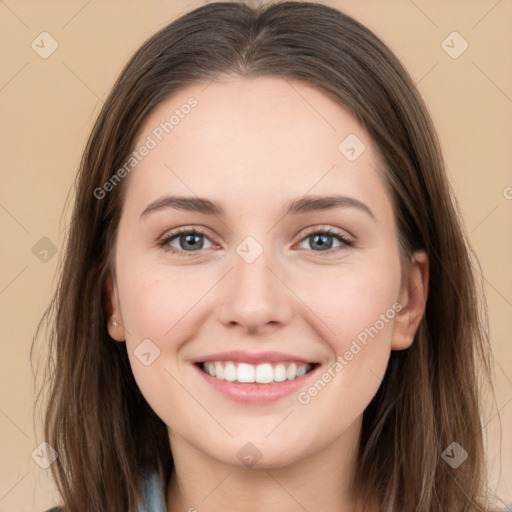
pixel 319 482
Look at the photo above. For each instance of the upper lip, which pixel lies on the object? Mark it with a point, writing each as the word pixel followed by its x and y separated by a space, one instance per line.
pixel 251 357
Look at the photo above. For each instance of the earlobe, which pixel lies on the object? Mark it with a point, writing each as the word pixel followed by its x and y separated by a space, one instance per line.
pixel 413 300
pixel 115 325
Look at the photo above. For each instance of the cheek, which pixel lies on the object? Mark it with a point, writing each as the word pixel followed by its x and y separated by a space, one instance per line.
pixel 156 308
pixel 355 309
pixel 156 300
pixel 160 307
pixel 353 299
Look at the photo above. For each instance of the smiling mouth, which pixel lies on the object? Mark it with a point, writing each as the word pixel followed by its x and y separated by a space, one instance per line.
pixel 265 373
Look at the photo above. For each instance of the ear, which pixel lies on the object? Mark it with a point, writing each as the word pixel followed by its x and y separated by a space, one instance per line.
pixel 413 298
pixel 115 322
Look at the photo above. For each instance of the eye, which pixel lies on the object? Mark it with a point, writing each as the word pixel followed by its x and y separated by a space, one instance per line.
pixel 188 240
pixel 322 239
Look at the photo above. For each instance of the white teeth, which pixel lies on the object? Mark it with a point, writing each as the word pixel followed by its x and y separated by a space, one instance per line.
pixel 301 370
pixel 264 373
pixel 245 372
pixel 218 369
pixel 230 373
pixel 291 373
pixel 280 372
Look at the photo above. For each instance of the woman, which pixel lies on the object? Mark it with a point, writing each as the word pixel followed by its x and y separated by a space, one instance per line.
pixel 321 351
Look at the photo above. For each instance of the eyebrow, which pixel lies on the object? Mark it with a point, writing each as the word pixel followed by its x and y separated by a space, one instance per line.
pixel 304 204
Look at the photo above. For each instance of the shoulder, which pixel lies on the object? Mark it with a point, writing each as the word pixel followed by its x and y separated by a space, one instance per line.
pixel 153 493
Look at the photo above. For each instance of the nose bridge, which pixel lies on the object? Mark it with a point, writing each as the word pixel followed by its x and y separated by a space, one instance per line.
pixel 255 296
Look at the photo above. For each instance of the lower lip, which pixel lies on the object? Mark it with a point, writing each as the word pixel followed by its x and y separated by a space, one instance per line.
pixel 256 393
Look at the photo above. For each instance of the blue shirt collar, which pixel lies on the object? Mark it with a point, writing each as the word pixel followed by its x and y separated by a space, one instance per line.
pixel 153 499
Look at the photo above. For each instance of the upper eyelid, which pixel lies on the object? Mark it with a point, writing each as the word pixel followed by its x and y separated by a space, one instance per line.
pixel 186 230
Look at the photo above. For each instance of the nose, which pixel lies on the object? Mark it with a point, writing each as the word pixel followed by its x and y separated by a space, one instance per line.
pixel 256 297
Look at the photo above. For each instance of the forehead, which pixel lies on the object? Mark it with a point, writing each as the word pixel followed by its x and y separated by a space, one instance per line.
pixel 254 135
pixel 273 109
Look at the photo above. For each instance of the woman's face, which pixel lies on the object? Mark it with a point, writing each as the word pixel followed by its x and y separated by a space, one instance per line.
pixel 260 291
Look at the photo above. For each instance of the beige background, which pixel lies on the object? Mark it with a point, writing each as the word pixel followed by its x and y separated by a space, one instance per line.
pixel 48 106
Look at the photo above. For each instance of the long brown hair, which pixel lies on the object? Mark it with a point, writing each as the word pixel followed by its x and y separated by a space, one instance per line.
pixel 106 434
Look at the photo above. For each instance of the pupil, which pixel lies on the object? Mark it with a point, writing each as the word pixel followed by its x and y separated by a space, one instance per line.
pixel 189 237
pixel 322 244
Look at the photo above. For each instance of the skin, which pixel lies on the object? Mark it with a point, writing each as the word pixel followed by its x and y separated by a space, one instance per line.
pixel 253 145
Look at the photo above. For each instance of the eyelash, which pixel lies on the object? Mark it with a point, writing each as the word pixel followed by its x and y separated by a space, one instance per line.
pixel 345 242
